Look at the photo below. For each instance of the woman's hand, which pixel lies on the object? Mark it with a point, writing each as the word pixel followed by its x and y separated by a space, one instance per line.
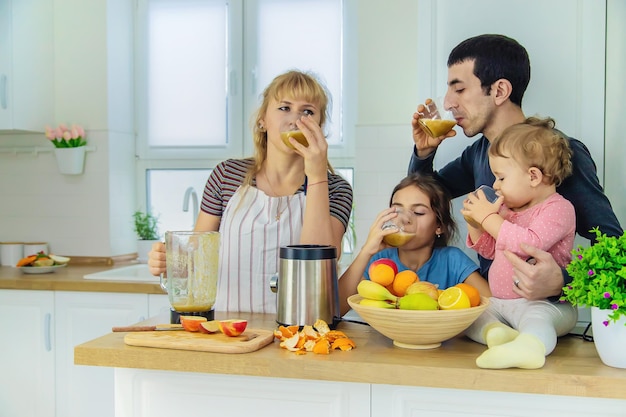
pixel 156 259
pixel 316 154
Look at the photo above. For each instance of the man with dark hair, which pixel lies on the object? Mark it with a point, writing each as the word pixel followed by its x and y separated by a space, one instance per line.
pixel 487 78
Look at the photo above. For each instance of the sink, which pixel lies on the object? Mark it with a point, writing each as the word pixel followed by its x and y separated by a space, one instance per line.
pixel 127 273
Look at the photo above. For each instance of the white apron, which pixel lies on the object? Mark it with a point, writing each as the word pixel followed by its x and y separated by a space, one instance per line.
pixel 253 227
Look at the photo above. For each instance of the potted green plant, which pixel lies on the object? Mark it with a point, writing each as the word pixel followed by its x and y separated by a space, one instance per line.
pixel 599 281
pixel 146 228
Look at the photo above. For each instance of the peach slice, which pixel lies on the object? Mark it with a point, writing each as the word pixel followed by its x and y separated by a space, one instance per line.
pixel 192 323
pixel 209 327
pixel 232 327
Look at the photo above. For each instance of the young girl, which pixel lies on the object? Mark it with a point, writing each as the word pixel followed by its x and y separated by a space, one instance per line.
pixel 529 161
pixel 282 196
pixel 427 253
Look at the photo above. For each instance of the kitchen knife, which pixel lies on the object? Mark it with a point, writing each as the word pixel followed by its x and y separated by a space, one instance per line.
pixel 147 328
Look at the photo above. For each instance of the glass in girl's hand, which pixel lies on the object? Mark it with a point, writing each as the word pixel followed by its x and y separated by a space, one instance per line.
pixel 435 120
pixel 404 224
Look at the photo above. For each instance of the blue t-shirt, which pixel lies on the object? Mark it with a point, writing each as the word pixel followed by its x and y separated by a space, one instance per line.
pixel 446 267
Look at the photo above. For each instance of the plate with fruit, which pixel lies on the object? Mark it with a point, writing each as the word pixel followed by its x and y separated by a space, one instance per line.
pixel 40 269
pixel 42 263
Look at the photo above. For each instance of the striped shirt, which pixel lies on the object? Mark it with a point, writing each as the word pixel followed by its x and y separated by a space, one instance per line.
pixel 229 175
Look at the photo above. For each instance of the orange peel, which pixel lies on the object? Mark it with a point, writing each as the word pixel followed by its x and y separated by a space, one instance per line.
pixel 319 339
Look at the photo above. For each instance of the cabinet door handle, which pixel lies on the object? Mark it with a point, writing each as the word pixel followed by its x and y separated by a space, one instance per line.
pixel 3 91
pixel 46 332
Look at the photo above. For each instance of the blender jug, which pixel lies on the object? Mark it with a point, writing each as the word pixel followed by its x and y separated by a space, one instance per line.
pixel 192 273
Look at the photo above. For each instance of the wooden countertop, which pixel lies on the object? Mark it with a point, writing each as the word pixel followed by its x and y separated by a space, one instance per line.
pixel 573 369
pixel 71 278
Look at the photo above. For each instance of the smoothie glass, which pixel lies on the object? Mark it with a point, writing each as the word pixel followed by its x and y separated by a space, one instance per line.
pixel 435 120
pixel 405 225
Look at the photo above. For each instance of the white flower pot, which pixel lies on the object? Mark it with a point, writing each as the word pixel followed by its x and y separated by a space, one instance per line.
pixel 610 340
pixel 71 161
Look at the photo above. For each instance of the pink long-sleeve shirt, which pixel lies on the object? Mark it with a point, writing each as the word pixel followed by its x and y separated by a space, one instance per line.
pixel 550 226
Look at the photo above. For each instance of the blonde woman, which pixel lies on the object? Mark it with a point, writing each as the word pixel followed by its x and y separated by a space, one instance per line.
pixel 283 195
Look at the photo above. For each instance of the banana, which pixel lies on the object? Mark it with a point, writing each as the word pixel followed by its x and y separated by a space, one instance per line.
pixel 374 291
pixel 376 303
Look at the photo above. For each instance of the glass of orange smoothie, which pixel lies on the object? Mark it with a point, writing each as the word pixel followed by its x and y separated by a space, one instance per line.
pixel 435 120
pixel 404 224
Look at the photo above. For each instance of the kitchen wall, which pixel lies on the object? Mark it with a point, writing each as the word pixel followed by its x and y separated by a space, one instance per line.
pixel 89 215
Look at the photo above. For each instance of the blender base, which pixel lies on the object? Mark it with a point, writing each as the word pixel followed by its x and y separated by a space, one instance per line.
pixel 175 315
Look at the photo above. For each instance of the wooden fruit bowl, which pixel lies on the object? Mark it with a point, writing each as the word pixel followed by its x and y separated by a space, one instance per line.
pixel 418 329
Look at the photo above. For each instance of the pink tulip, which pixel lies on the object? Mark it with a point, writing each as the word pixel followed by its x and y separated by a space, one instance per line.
pixel 50 133
pixel 63 127
pixel 67 135
pixel 78 130
pixel 58 133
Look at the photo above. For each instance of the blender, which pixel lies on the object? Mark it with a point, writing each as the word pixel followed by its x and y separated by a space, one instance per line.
pixel 192 273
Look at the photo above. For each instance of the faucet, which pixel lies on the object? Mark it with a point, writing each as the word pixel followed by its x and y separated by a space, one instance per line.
pixel 190 192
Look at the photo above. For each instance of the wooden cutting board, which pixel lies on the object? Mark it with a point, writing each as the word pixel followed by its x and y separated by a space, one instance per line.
pixel 248 341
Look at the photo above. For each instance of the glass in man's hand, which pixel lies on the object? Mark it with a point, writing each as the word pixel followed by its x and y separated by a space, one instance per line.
pixel 435 120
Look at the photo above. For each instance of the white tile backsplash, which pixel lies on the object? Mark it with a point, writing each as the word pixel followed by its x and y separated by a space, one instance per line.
pixel 73 213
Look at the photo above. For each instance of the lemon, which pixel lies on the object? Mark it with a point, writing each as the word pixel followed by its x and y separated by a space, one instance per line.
pixel 453 298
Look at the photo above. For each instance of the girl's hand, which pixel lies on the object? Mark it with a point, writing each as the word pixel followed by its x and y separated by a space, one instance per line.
pixel 374 241
pixel 316 154
pixel 476 207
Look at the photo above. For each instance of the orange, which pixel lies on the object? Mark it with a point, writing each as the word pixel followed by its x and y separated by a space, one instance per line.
pixel 453 298
pixel 391 290
pixel 402 281
pixel 381 274
pixel 472 293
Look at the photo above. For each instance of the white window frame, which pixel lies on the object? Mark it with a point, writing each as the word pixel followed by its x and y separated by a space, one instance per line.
pixel 240 84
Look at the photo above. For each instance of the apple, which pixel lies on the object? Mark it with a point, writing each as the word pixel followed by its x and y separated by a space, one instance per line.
pixel 386 261
pixel 192 323
pixel 209 327
pixel 233 327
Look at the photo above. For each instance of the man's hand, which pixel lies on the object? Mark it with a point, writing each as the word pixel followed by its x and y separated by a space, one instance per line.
pixel 425 144
pixel 536 281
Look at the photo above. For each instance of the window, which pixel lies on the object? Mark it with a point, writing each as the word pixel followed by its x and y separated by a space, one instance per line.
pixel 200 68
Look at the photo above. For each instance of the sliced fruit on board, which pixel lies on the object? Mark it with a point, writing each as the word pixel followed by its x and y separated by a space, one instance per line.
pixel 233 327
pixel 192 323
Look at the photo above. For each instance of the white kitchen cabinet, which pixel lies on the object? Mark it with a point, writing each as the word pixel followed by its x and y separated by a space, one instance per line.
pixel 26 65
pixel 82 316
pixel 145 393
pixel 158 304
pixel 394 400
pixel 27 355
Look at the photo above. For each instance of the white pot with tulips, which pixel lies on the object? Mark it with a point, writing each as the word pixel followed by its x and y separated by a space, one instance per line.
pixel 69 148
